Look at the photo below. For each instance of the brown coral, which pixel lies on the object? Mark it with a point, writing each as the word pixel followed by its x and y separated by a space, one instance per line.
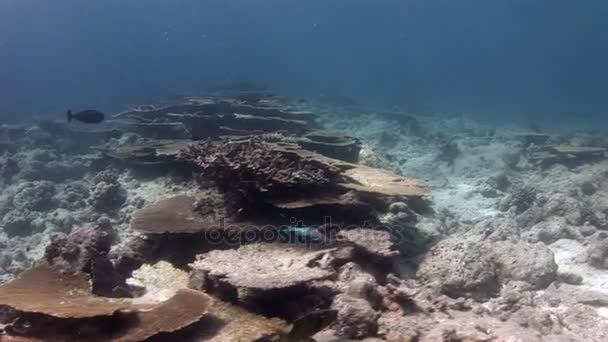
pixel 175 214
pixel 47 298
pixel 254 165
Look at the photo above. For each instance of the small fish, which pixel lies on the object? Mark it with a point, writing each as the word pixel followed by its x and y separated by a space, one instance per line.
pixel 86 116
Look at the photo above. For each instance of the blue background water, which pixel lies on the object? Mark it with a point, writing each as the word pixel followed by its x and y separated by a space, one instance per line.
pixel 501 59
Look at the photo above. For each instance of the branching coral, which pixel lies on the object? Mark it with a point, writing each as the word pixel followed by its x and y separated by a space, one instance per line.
pixel 261 166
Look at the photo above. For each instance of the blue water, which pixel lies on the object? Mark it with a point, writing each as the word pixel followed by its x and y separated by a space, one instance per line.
pixel 498 59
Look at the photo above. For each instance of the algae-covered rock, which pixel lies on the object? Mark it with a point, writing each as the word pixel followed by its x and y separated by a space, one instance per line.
pixel 523 261
pixel 461 267
pixel 356 318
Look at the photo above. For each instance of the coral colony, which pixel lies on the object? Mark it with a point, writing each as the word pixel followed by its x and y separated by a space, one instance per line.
pixel 239 216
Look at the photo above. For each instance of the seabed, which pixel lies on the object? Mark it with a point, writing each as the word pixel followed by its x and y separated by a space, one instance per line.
pixel 244 216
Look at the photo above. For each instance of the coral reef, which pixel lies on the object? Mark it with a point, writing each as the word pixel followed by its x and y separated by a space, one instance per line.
pixel 268 228
pixel 106 192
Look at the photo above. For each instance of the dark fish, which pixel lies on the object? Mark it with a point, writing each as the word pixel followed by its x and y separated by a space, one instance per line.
pixel 86 116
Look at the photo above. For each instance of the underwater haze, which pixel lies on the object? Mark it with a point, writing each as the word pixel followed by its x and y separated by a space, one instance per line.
pixel 311 170
pixel 501 60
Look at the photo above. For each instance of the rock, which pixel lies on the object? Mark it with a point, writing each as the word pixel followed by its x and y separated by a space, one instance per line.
pixel 19 222
pixel 398 214
pixel 598 210
pixel 521 198
pixel 358 283
pixel 377 244
pixel 583 321
pixel 36 196
pixel 449 151
pixel 569 294
pixel 545 322
pixel 560 204
pixel 597 250
pixel 41 164
pixel 356 318
pixel 9 166
pixel 62 220
pixel 551 230
pixel 107 193
pixel 494 229
pixel 104 224
pixel 461 267
pixel 523 261
pixel 569 278
pixel 530 217
pixel 587 229
pixel 499 182
pixel 588 188
pixel 72 196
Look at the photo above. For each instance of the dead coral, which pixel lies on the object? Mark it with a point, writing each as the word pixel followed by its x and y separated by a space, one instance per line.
pixel 106 192
pixel 380 182
pixel 462 269
pixel 269 267
pixel 206 117
pixel 523 261
pixel 76 251
pixel 36 196
pixel 258 166
pixel 356 318
pixel 86 250
pixel 19 222
pixel 375 243
pixel 520 199
pixel 571 156
pixel 253 165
